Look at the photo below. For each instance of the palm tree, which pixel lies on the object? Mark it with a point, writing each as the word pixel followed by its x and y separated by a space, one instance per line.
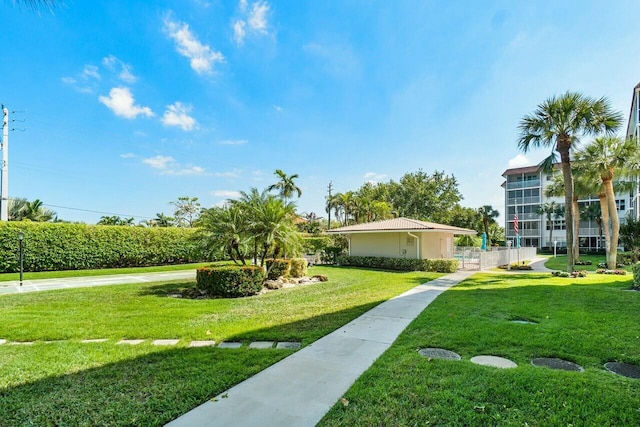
pixel 162 220
pixel 488 214
pixel 225 229
pixel 593 212
pixel 604 156
pixel 551 210
pixel 35 211
pixel 558 123
pixel 17 208
pixel 285 185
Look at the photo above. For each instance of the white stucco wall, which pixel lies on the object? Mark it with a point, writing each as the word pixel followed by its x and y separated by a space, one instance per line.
pixel 394 245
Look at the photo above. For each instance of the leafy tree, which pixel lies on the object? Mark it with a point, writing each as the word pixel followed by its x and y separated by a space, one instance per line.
pixel 630 235
pixel 558 123
pixel 285 185
pixel 187 211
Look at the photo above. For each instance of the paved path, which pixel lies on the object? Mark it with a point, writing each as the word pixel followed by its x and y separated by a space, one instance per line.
pixel 300 389
pixel 83 282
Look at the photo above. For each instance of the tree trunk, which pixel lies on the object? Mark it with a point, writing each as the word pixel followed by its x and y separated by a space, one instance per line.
pixel 576 230
pixel 604 211
pixel 551 225
pixel 615 223
pixel 564 143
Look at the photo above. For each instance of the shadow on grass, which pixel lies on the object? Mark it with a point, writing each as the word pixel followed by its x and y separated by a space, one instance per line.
pixel 151 386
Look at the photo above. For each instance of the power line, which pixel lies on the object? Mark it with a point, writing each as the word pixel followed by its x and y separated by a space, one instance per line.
pixel 98 212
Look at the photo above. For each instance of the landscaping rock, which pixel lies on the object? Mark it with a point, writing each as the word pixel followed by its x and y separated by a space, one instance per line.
pixel 321 277
pixel 272 284
pixel 439 353
pixel 555 363
pixel 3 342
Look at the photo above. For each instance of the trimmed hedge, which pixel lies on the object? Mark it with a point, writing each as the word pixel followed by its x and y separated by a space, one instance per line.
pixel 230 281
pixel 405 264
pixel 636 276
pixel 277 268
pixel 298 267
pixel 59 246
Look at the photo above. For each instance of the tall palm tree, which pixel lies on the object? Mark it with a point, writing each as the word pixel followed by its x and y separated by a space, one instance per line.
pixel 35 211
pixel 604 156
pixel 551 210
pixel 558 122
pixel 162 220
pixel 488 214
pixel 17 208
pixel 286 185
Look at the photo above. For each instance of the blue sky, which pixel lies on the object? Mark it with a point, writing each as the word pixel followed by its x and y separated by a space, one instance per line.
pixel 129 105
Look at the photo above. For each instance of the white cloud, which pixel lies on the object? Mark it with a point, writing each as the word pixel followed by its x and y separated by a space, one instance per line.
pixel 121 102
pixel 277 108
pixel 177 114
pixel 90 71
pixel 258 16
pixel 230 174
pixel 167 165
pixel 229 194
pixel 121 68
pixel 159 162
pixel 518 161
pixel 239 31
pixel 201 56
pixel 234 142
pixel 127 155
pixel 374 177
pixel 252 21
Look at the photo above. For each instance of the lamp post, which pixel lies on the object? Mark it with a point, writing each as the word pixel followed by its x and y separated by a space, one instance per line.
pixel 20 239
pixel 555 245
pixel 509 254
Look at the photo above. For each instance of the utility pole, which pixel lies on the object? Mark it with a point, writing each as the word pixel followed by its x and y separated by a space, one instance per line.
pixel 4 202
pixel 329 206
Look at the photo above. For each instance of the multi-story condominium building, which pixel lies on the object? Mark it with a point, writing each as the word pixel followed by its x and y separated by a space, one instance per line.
pixel 525 194
pixel 633 131
pixel 524 190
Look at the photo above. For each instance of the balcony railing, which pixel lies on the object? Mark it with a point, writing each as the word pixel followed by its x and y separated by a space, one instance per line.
pixel 524 233
pixel 523 184
pixel 589 232
pixel 523 200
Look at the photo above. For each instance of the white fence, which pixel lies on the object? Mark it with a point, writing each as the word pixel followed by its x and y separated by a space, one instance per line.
pixel 475 259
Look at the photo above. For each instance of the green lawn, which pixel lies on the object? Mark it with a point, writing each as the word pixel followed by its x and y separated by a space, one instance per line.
pixel 5 277
pixel 588 320
pixel 560 263
pixel 69 383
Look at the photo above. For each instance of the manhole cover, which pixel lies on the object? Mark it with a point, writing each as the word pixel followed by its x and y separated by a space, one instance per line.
pixel 439 353
pixel 495 361
pixel 555 363
pixel 624 369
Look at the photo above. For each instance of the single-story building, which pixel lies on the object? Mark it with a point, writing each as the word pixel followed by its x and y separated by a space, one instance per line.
pixel 401 238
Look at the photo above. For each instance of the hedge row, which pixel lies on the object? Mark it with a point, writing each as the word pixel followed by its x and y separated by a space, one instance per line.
pixel 636 276
pixel 405 264
pixel 58 246
pixel 230 281
pixel 294 267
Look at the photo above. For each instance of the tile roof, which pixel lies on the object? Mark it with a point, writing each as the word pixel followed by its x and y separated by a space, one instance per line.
pixel 400 224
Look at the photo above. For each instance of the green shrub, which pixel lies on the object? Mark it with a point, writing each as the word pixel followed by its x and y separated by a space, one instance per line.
pixel 404 264
pixel 298 267
pixel 331 254
pixel 607 271
pixel 314 245
pixel 59 246
pixel 277 268
pixel 636 276
pixel 230 281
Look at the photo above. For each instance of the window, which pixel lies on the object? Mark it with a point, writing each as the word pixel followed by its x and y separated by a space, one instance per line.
pixel 559 224
pixel 621 204
pixel 410 241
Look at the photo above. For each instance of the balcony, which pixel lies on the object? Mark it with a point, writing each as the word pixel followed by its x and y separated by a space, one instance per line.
pixel 523 184
pixel 523 200
pixel 524 233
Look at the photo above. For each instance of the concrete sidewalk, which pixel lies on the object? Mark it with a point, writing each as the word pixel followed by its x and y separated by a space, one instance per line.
pixel 299 390
pixel 83 282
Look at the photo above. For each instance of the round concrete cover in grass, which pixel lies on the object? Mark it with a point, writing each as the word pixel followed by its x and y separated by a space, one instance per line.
pixel 555 363
pixel 624 369
pixel 439 353
pixel 495 361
